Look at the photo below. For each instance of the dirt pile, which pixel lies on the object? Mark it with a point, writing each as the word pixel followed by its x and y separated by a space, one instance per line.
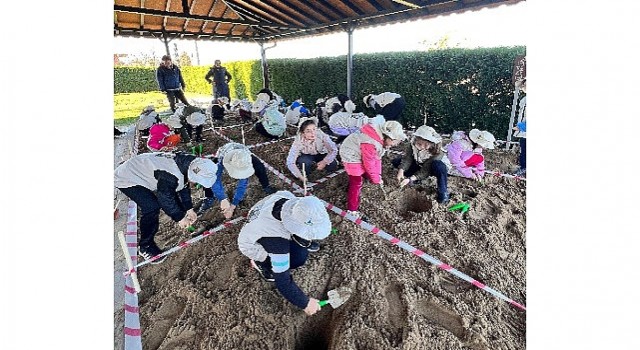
pixel 207 296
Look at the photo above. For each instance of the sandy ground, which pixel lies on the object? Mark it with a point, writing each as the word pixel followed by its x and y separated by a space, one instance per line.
pixel 207 297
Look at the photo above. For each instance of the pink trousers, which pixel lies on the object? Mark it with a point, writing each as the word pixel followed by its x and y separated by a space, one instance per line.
pixel 353 193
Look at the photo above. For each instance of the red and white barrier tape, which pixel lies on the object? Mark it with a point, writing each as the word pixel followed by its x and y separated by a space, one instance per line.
pixel 221 135
pixel 270 142
pixel 310 185
pixel 233 126
pixel 188 242
pixel 499 174
pixel 132 333
pixel 395 241
pixel 280 175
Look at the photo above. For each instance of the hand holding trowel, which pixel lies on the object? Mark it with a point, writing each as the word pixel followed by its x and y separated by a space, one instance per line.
pixel 337 297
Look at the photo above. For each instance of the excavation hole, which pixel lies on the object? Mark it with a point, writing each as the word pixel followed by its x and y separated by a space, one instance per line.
pixel 414 202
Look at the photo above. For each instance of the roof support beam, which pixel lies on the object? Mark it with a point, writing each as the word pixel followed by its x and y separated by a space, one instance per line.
pixel 185 7
pixel 204 23
pixel 273 12
pixel 167 34
pixel 168 14
pixel 184 27
pixel 244 15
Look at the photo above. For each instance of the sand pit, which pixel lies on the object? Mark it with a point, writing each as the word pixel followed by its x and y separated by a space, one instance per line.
pixel 207 296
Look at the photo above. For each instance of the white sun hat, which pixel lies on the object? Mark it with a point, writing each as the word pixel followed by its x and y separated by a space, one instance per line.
pixel 484 138
pixel 196 118
pixel 149 108
pixel 174 121
pixel 365 99
pixel 238 163
pixel 428 133
pixel 349 106
pixel 259 105
pixel 202 171
pixel 146 121
pixel 393 130
pixel 306 217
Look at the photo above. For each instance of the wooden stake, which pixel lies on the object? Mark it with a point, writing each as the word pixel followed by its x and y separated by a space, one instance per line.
pixel 304 182
pixel 242 131
pixel 125 250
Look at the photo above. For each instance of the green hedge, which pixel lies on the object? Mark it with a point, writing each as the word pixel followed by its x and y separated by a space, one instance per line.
pixel 246 82
pixel 457 89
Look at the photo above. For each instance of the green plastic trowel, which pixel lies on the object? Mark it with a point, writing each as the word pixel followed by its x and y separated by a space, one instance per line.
pixel 337 297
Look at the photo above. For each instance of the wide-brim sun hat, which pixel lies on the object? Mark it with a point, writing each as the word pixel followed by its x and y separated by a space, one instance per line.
pixel 196 118
pixel 238 164
pixel 393 130
pixel 258 106
pixel 483 138
pixel 365 99
pixel 174 121
pixel 145 122
pixel 349 106
pixel 149 108
pixel 306 217
pixel 428 133
pixel 202 171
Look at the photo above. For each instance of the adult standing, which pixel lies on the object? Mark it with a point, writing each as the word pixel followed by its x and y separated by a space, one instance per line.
pixel 220 78
pixel 170 82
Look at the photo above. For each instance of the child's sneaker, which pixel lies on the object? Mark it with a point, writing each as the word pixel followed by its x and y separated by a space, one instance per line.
pixel 149 252
pixel 314 247
pixel 266 275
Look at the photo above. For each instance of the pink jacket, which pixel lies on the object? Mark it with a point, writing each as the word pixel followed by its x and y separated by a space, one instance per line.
pixel 370 154
pixel 157 134
pixel 464 159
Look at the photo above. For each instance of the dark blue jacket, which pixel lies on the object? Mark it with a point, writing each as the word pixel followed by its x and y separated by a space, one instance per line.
pixel 169 78
pixel 218 74
pixel 175 206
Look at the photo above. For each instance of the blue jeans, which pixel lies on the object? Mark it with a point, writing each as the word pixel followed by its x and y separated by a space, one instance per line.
pixel 437 169
pixel 220 90
pixel 309 160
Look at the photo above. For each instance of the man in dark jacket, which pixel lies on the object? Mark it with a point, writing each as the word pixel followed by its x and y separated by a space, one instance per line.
pixel 159 180
pixel 221 79
pixel 170 81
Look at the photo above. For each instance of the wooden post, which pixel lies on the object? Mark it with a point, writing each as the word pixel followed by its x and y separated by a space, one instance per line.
pixel 125 250
pixel 304 182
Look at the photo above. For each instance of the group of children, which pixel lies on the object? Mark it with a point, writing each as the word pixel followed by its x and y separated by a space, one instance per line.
pixel 281 228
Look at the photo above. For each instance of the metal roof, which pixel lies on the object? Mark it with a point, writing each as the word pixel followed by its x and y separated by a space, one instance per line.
pixel 265 20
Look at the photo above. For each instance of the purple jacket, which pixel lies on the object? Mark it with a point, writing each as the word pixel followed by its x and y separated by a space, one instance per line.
pixel 460 153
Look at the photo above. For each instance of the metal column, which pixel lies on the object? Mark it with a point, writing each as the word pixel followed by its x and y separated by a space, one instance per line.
pixel 349 60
